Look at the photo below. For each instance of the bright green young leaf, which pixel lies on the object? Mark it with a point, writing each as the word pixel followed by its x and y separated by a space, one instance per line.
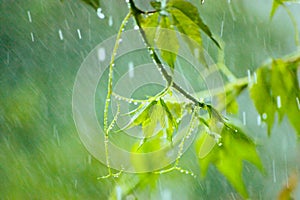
pixel 228 156
pixel 277 91
pixel 206 145
pixel 94 3
pixel 191 12
pixel 277 3
pixel 262 97
pixel 155 117
pixel 156 5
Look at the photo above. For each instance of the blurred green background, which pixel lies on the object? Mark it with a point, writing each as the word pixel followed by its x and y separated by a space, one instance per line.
pixel 43 44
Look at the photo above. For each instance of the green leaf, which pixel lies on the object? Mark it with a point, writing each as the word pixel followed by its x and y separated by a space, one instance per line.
pixel 156 5
pixel 277 3
pixel 262 97
pixel 161 35
pixel 94 3
pixel 187 27
pixel 167 38
pixel 149 23
pixel 206 144
pixel 277 91
pixel 191 12
pixel 234 148
pixel 156 117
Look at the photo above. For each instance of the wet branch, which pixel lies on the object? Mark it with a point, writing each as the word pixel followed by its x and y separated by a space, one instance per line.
pixel 136 13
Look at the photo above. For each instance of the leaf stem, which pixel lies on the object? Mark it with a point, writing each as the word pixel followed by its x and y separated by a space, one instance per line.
pixel 109 93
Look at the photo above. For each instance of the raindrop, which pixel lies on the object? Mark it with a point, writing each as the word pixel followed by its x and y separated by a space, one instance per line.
pixel 274 171
pixel 222 28
pixel 258 120
pixel 202 1
pixel 61 37
pixel 100 14
pixel 220 144
pixel 32 37
pixel 264 116
pixel 236 130
pixel 101 54
pixel 298 103
pixel 255 77
pixel 120 40
pixel 135 103
pixel 75 183
pixel 79 34
pixel 110 21
pixel 249 76
pixel 29 16
pixel 278 102
pixel 136 27
pixel 244 118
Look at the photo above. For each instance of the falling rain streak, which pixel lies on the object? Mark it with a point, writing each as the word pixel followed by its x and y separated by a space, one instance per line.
pixel 29 16
pixel 258 120
pixel 298 103
pixel 119 192
pixel 79 34
pixel 278 102
pixel 255 77
pixel 274 171
pixel 110 21
pixel 244 118
pixel 249 76
pixel 61 37
pixel 222 28
pixel 101 54
pixel 131 69
pixel 32 37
